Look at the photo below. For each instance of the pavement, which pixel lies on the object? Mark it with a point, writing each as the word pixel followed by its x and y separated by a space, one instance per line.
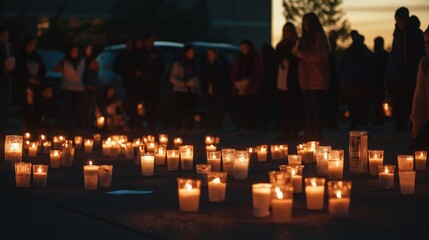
pixel 64 210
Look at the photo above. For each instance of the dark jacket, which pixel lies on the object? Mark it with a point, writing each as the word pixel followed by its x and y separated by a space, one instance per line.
pixel 284 52
pixel 248 67
pixel 213 74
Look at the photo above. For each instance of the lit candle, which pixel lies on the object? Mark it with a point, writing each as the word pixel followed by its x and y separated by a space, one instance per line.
pixel 115 149
pixel 241 164
pixel 100 122
pixel 252 153
pixel 78 142
pixel 172 160
pixel 150 147
pixel 283 151
pixel 163 139
pixel 339 198
pixel 147 164
pixel 105 175
pixel 314 192
pixel 13 149
pixel 228 160
pixel 67 154
pixel 189 194
pixel 55 158
pixel 209 140
pixel 375 159
pixel 160 156
pixel 296 172
pixel 210 148
pixel 281 204
pixel 47 145
pixel 262 153
pixel 89 143
pixel 217 186
pixel 90 176
pixel 40 176
pixel 420 160
pixel 177 142
pixel 22 174
pixel 282 177
pixel 97 139
pixel 407 182
pixel 129 151
pixel 386 176
pixel 187 157
pixel 27 136
pixel 202 171
pixel 335 169
pixel 213 158
pixel 32 149
pixel 275 152
pixel 57 141
pixel 261 198
pixel 405 162
pixel 106 145
pixel 322 160
pixel 294 159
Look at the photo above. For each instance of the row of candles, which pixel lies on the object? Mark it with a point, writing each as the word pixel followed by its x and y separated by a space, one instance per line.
pixel 236 162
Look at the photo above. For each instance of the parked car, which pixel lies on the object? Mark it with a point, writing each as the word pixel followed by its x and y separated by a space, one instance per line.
pixel 170 52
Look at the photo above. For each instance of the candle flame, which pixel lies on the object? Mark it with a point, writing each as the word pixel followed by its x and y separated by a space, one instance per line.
pixel 216 180
pixel 386 170
pixel 421 154
pixel 90 163
pixel 278 193
pixel 325 155
pixel 56 153
pixel 338 194
pixel 42 137
pixel 33 145
pixel 27 135
pixel 313 183
pixel 61 138
pixel 188 186
pixel 88 141
pixel 39 169
pixel 293 172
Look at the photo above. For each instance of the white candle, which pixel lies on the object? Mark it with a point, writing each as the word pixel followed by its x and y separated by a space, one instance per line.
pixel 13 148
pixel 160 156
pixel 105 175
pixel 129 151
pixel 294 159
pixel 262 153
pixel 335 169
pixel 283 151
pixel 89 143
pixel 339 207
pixel 91 176
pixel 189 197
pixel 40 176
pixel 297 183
pixel 213 158
pixel 210 148
pixel 202 171
pixel 67 156
pixel 386 179
pixel 375 158
pixel 314 192
pixel 407 180
pixel 307 156
pixel 216 190
pixel 147 164
pixel 22 174
pixel 55 158
pixel 150 147
pixel 261 198
pixel 228 160
pixel 281 207
pixel 187 157
pixel 78 142
pixel 241 167
pixel 47 145
pixel 405 162
pixel 163 139
pixel 172 160
pixel 420 160
pixel 275 152
pixel 32 149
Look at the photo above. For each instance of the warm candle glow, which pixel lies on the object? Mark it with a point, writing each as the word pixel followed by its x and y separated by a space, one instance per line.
pixel 279 193
pixel 338 194
pixel 293 172
pixel 90 163
pixel 188 186
pixel 27 135
pixel 42 137
pixel 313 183
pixel 386 170
pixel 216 180
pixel 39 169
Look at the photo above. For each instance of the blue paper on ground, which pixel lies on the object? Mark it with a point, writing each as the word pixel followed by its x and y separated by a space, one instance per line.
pixel 129 192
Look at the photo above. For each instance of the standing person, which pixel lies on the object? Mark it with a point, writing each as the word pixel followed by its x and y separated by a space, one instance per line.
pixel 30 83
pixel 90 81
pixel 267 100
pixel 7 60
pixel 184 77
pixel 333 98
pixel 380 62
pixel 289 93
pixel 356 71
pixel 313 71
pixel 73 68
pixel 246 76
pixel 152 71
pixel 213 83
pixel 407 50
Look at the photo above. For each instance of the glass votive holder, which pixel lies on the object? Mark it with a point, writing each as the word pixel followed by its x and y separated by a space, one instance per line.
pixel 275 152
pixel 67 154
pixel 47 146
pixel 386 175
pixel 163 139
pixel 335 169
pixel 307 153
pixel 241 164
pixel 217 186
pixel 375 159
pixel 421 158
pixel 209 140
pixel 202 170
pixel 97 139
pixel 78 142
pixel 322 160
pixel 150 147
pixel 294 159
pixel 405 162
pixel 22 174
pixel 189 194
pixel 228 160
pixel 186 157
pixel 88 145
pixel 160 155
pixel 339 198
pixel 252 153
pixel 90 176
pixel 283 151
pixel 314 193
pixel 213 158
pixel 147 164
pixel 32 149
pixel 177 142
pixel 210 148
pixel 262 152
pixel 105 175
pixel 129 150
pixel 40 175
pixel 261 199
pixel 280 178
pixel 296 173
pixel 55 158
pixel 407 182
pixel 281 204
pixel 173 160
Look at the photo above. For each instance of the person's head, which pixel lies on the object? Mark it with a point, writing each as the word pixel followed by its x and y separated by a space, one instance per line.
pixel 189 52
pixel 88 50
pixel 4 33
pixel 138 43
pixel 354 35
pixel 378 44
pixel 415 21
pixel 311 23
pixel 402 17
pixel 73 51
pixel 29 44
pixel 426 38
pixel 246 46
pixel 289 32
pixel 211 55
